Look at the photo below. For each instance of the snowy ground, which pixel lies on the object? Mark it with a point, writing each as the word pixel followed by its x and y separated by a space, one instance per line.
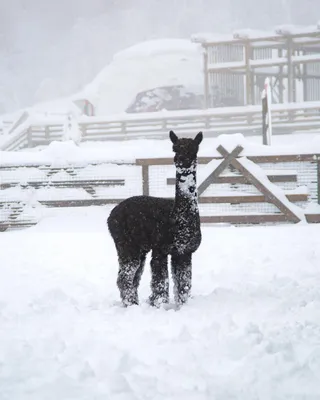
pixel 251 331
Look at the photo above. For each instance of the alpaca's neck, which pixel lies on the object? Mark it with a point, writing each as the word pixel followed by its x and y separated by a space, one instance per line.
pixel 186 198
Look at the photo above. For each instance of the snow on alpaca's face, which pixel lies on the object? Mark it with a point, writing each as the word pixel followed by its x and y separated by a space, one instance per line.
pixel 185 153
pixel 185 160
pixel 186 211
pixel 187 184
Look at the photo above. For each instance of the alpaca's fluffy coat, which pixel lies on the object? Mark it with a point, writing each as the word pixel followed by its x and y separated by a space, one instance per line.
pixel 141 224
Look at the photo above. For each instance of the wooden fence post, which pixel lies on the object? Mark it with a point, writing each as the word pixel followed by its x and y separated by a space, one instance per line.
pixel 124 129
pixel 318 179
pixel 145 180
pixel 83 131
pixel 266 114
pixel 47 134
pixel 29 137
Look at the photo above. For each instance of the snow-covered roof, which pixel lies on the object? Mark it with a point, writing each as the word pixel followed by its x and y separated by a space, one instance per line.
pixel 204 37
pixel 253 34
pixel 295 29
pixel 155 48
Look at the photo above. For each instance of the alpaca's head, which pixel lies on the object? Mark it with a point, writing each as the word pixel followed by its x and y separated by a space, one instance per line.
pixel 185 150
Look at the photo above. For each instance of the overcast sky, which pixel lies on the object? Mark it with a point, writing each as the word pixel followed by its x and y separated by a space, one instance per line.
pixel 67 42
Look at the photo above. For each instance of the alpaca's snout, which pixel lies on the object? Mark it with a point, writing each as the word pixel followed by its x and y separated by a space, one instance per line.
pixel 183 161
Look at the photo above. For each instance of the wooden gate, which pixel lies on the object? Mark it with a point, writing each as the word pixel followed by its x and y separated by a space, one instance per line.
pixel 247 183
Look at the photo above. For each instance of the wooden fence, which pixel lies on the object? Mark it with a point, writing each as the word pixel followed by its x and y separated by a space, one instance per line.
pixel 286 118
pixel 235 67
pixel 232 189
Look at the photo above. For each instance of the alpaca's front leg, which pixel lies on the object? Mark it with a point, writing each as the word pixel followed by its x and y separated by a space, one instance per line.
pixel 126 276
pixel 159 280
pixel 181 265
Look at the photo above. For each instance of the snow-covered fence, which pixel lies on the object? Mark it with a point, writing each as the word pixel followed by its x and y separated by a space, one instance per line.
pixel 247 120
pixel 235 66
pixel 286 118
pixel 241 194
pixel 232 189
pixel 28 136
pixel 26 188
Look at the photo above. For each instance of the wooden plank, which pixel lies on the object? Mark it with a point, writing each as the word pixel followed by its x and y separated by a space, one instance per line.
pixel 238 199
pixel 4 225
pixel 245 219
pixel 260 186
pixel 65 184
pixel 243 180
pixel 79 203
pixel 43 167
pixel 219 169
pixel 64 203
pixel 318 180
pixel 154 161
pixel 313 218
pixel 16 142
pixel 256 159
pixel 282 178
pixel 283 158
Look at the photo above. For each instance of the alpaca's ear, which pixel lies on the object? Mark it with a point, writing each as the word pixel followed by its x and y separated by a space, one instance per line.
pixel 173 137
pixel 198 138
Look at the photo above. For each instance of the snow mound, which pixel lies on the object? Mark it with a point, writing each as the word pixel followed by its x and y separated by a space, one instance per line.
pixel 141 67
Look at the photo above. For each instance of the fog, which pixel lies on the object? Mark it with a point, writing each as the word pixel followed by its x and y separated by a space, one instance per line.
pixel 51 48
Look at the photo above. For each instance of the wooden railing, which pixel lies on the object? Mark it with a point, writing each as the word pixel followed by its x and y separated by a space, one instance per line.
pixel 246 120
pixel 34 135
pixel 286 118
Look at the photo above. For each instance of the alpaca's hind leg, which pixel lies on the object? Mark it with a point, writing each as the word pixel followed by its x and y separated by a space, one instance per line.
pixel 137 277
pixel 181 266
pixel 159 279
pixel 128 267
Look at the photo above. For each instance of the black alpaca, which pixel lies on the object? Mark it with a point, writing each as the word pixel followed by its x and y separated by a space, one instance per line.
pixel 166 227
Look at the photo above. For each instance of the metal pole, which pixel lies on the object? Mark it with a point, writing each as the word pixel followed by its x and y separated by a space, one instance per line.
pixel 249 83
pixel 266 114
pixel 290 70
pixel 206 77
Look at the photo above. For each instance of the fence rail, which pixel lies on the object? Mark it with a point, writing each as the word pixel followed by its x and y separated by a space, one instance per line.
pixel 286 118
